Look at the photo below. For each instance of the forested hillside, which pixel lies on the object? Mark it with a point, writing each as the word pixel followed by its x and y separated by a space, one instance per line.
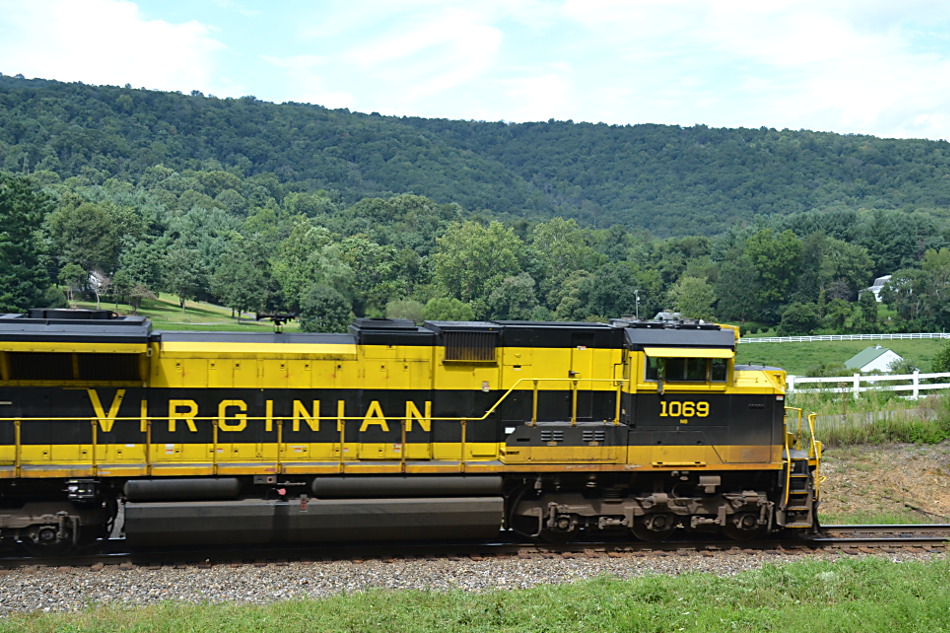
pixel 118 194
pixel 666 179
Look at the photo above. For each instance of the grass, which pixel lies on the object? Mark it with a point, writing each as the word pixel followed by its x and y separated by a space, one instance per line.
pixel 874 518
pixel 166 314
pixel 864 595
pixel 877 418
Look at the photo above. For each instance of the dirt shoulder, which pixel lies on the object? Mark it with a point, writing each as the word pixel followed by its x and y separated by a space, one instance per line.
pixel 908 479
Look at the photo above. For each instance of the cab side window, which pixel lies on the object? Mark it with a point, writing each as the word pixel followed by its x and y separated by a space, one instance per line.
pixel 719 367
pixel 687 369
pixel 656 368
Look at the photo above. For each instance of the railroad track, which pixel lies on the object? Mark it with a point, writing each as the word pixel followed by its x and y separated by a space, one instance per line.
pixel 934 534
pixel 866 538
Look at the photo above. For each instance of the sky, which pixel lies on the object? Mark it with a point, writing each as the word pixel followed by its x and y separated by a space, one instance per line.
pixel 879 67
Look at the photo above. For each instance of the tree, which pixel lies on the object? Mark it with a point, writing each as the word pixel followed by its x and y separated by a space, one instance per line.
pixel 674 255
pixel 570 298
pixel 309 256
pixel 23 278
pixel 240 281
pixel 692 297
pixel 72 276
pixel 472 260
pixel 736 289
pixel 86 234
pixel 374 279
pixel 323 309
pixel 907 293
pixel 447 309
pixel 936 264
pixel 891 239
pixel 776 260
pixel 837 313
pixel 612 292
pixel 836 270
pixel 558 247
pixel 866 319
pixel 798 319
pixel 183 275
pixel 848 264
pixel 941 362
pixel 513 298
pixel 140 272
pixel 405 309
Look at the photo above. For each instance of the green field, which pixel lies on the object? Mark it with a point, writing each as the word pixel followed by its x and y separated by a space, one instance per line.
pixel 861 596
pixel 798 358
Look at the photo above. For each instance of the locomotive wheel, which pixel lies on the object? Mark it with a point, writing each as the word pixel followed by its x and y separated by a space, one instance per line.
pixel 653 527
pixel 43 544
pixel 743 526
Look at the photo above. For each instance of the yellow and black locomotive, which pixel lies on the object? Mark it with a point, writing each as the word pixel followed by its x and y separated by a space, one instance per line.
pixel 392 431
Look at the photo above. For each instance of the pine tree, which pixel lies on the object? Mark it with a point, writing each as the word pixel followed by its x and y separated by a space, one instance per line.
pixel 23 277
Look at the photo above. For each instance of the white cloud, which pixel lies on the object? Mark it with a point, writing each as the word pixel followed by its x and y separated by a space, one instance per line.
pixel 105 42
pixel 303 76
pixel 540 97
pixel 427 56
pixel 411 57
pixel 867 66
pixel 851 66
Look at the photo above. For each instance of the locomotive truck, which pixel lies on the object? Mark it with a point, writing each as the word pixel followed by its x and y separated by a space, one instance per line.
pixel 391 431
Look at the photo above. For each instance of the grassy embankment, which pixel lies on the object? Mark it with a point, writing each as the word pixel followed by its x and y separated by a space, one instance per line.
pixel 863 596
pixel 166 314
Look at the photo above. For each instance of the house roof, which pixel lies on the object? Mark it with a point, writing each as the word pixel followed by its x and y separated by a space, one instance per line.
pixel 865 356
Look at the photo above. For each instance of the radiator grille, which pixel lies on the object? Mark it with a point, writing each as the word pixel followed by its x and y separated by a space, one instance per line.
pixel 470 347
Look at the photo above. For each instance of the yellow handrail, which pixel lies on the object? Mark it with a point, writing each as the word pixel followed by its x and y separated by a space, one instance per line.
pixel 816 449
pixel 790 437
pixel 793 440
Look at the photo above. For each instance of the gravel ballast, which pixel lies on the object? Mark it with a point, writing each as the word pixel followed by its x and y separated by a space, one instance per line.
pixel 49 589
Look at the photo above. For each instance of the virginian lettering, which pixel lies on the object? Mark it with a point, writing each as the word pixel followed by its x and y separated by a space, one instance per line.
pixel 233 415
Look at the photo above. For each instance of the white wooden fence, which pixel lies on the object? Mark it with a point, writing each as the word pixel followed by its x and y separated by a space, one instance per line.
pixel 842 337
pixel 913 384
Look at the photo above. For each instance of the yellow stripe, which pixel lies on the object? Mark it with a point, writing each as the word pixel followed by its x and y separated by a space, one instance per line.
pixel 75 460
pixel 182 349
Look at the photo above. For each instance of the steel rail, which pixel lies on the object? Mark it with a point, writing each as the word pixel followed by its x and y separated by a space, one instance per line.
pixel 935 537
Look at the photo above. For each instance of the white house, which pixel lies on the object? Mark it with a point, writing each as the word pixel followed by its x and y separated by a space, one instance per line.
pixel 877 286
pixel 875 358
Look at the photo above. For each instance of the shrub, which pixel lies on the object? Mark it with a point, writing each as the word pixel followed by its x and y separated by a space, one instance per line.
pixel 324 309
pixel 405 309
pixel 941 362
